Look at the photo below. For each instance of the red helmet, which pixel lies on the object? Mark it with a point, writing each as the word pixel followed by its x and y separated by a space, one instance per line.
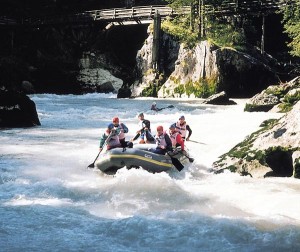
pixel 115 119
pixel 160 128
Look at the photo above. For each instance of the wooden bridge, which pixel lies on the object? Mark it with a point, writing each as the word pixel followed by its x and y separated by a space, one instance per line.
pixel 120 16
pixel 247 7
pixel 145 14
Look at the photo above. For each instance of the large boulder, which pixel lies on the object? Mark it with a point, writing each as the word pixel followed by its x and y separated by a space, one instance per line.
pixel 150 80
pixel 219 99
pixel 17 110
pixel 280 97
pixel 95 74
pixel 220 69
pixel 201 71
pixel 271 151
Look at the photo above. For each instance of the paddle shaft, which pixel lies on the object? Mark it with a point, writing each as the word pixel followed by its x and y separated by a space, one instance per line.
pixel 92 165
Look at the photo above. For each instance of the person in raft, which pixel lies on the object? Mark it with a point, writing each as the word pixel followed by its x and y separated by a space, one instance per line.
pixel 182 127
pixel 144 132
pixel 163 142
pixel 176 138
pixel 114 135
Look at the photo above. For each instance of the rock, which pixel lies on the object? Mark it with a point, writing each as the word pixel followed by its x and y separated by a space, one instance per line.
pixel 17 110
pixel 106 87
pixel 149 80
pixel 207 68
pixel 262 102
pixel 275 98
pixel 296 164
pixel 271 151
pixel 124 92
pixel 100 80
pixel 27 87
pixel 219 99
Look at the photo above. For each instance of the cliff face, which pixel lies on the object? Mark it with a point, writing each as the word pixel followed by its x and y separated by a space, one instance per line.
pixel 222 69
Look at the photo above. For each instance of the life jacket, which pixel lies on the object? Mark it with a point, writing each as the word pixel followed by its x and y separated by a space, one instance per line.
pixel 173 138
pixel 120 130
pixel 161 140
pixel 181 128
pixel 114 141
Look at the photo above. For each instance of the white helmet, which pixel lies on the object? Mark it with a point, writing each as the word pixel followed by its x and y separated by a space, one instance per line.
pixel 154 103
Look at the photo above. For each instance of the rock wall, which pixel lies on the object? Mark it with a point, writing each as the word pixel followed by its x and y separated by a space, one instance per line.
pixel 271 151
pixel 93 76
pixel 147 77
pixel 236 73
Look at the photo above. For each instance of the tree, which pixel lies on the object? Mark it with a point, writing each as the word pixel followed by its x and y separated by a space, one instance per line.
pixel 291 21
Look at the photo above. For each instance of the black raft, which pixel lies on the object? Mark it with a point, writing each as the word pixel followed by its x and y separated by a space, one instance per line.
pixel 140 156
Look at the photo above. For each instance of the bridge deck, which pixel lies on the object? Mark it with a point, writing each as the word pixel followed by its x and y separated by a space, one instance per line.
pixel 142 14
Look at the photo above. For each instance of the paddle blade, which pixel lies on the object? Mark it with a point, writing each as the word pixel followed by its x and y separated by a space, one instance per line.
pixel 91 165
pixel 177 164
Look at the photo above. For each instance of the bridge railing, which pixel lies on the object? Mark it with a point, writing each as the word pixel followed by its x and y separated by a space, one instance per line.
pixel 136 12
pixel 230 7
pixel 118 14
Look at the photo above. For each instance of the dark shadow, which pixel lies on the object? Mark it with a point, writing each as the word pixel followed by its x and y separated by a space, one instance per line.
pixel 281 162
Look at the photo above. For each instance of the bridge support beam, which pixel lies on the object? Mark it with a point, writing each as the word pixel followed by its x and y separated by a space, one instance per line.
pixel 262 44
pixel 156 40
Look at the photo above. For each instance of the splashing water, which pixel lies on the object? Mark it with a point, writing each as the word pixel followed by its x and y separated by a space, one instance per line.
pixel 51 202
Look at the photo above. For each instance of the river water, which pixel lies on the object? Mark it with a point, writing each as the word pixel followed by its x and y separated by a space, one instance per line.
pixel 50 201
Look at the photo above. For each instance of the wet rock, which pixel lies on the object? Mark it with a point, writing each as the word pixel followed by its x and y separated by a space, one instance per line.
pixel 17 110
pixel 219 99
pixel 271 151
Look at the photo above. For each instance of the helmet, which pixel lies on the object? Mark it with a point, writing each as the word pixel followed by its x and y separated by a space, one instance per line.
pixel 172 126
pixel 182 117
pixel 160 128
pixel 154 103
pixel 115 119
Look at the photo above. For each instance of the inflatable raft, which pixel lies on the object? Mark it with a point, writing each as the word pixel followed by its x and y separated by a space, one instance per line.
pixel 140 156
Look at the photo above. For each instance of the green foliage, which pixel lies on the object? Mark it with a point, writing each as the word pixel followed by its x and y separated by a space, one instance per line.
pixel 292 98
pixel 201 89
pixel 224 34
pixel 278 91
pixel 218 30
pixel 150 91
pixel 291 21
pixel 289 101
pixel 268 123
pixel 179 28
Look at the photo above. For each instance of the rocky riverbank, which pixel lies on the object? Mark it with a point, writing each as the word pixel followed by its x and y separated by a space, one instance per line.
pixel 274 149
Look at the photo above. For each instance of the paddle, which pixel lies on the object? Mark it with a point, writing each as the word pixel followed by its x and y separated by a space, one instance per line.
pixel 189 158
pixel 92 165
pixel 170 106
pixel 186 155
pixel 178 165
pixel 193 141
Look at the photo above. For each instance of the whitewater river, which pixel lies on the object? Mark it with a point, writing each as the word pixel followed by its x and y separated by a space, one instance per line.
pixel 50 201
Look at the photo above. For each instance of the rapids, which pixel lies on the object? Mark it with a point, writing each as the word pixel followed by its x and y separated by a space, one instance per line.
pixel 50 201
